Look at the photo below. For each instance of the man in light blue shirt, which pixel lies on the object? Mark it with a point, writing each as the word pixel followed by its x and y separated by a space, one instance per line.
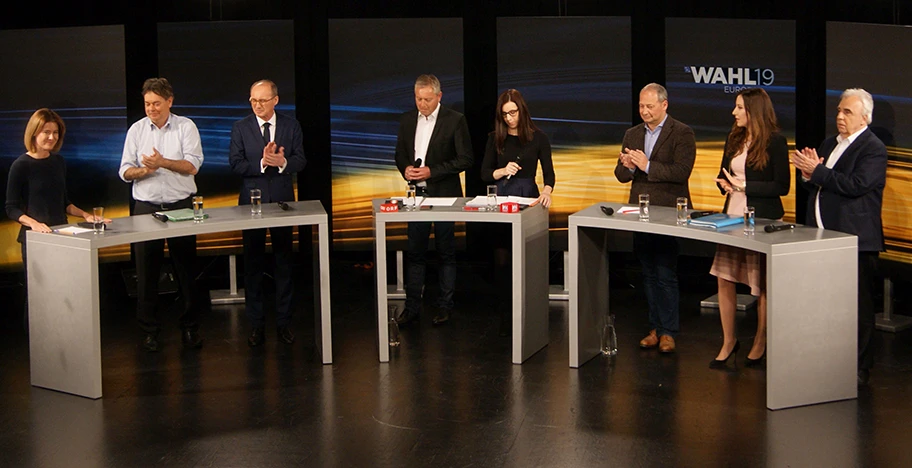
pixel 161 155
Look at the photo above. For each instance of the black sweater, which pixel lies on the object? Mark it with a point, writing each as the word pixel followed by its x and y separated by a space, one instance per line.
pixel 37 188
pixel 539 149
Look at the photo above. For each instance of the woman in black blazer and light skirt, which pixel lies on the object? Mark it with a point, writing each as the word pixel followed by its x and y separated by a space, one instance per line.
pixel 755 172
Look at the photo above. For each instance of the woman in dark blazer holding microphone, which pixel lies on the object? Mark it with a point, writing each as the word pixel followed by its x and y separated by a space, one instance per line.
pixel 755 172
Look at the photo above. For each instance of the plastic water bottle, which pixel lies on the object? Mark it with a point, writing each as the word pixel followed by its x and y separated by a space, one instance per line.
pixel 608 336
pixel 393 326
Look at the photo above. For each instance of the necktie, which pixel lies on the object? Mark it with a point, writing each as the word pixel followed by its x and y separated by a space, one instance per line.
pixel 266 138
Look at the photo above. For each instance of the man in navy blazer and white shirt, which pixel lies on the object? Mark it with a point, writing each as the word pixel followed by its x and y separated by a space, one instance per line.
pixel 266 150
pixel 846 189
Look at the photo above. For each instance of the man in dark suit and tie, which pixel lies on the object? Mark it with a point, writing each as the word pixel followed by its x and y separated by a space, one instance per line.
pixel 845 188
pixel 267 148
pixel 657 156
pixel 432 148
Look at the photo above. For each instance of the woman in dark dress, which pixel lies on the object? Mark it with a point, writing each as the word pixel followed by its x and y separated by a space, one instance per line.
pixel 36 195
pixel 513 153
pixel 755 172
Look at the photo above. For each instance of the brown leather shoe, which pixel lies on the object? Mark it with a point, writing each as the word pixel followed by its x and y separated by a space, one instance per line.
pixel 651 340
pixel 666 344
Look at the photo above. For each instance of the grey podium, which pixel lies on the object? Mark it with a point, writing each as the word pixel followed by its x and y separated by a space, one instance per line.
pixel 63 290
pixel 529 267
pixel 811 282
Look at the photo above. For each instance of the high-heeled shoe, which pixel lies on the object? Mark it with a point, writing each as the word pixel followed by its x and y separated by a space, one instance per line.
pixel 720 364
pixel 748 362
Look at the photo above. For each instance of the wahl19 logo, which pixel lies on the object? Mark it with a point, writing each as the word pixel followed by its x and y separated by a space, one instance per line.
pixel 732 78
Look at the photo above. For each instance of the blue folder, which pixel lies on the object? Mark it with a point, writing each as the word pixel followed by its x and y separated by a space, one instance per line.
pixel 716 221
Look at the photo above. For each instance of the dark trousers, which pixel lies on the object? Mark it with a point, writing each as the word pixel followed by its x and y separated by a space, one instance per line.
pixel 255 266
pixel 658 257
pixel 444 239
pixel 149 257
pixel 867 281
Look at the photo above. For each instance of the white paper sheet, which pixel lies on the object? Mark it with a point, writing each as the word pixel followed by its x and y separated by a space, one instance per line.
pixel 438 201
pixel 73 230
pixel 482 200
pixel 629 210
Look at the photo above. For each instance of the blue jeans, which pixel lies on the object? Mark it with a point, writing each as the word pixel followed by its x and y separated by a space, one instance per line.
pixel 658 257
pixel 444 240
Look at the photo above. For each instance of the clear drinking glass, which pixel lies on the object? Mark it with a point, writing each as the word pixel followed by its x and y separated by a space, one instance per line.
pixel 749 219
pixel 644 207
pixel 256 202
pixel 198 209
pixel 492 198
pixel 608 336
pixel 681 210
pixel 98 222
pixel 393 311
pixel 410 199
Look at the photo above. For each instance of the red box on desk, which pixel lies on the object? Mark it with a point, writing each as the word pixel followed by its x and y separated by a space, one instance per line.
pixel 509 207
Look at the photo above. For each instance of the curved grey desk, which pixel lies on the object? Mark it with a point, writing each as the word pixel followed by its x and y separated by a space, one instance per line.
pixel 529 267
pixel 811 285
pixel 64 330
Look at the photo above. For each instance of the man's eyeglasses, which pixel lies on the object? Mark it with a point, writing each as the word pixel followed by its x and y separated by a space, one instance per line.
pixel 512 113
pixel 261 101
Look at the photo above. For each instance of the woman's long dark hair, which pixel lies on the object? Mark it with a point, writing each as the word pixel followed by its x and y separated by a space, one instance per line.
pixel 526 128
pixel 761 122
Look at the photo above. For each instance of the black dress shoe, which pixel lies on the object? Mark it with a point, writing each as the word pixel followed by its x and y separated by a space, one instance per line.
pixel 863 376
pixel 443 316
pixel 257 338
pixel 150 343
pixel 191 339
pixel 407 317
pixel 720 364
pixel 285 335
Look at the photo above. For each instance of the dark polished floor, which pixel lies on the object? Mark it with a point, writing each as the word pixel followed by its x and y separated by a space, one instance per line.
pixel 448 397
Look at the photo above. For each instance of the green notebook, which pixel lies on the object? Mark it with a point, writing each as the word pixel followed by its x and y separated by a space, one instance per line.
pixel 183 214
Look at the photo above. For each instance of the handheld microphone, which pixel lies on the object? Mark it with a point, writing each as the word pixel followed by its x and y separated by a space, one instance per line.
pixel 417 163
pixel 607 210
pixel 284 206
pixel 517 162
pixel 778 227
pixel 161 217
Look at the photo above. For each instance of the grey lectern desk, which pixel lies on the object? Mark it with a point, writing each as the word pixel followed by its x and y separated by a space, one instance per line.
pixel 64 330
pixel 529 268
pixel 811 285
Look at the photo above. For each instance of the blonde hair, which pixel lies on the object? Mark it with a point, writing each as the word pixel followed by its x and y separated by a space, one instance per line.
pixel 36 123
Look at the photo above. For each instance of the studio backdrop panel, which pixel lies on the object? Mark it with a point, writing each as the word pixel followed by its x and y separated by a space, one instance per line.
pixel 708 61
pixel 80 74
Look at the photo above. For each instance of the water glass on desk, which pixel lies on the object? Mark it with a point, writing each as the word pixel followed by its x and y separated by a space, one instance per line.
pixel 491 202
pixel 681 210
pixel 410 198
pixel 644 207
pixel 198 209
pixel 749 219
pixel 98 219
pixel 256 202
